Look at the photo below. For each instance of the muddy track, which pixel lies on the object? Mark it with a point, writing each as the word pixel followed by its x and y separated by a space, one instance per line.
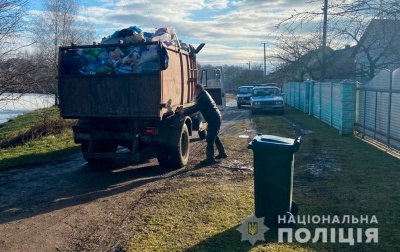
pixel 48 207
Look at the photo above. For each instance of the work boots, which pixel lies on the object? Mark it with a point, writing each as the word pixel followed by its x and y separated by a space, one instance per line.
pixel 221 156
pixel 210 160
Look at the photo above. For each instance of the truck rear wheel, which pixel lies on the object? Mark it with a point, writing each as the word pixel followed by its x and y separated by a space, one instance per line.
pixel 179 155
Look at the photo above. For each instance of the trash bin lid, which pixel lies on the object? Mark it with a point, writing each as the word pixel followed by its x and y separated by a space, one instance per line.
pixel 275 143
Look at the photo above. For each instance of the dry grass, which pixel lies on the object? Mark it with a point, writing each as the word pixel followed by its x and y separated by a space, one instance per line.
pixel 334 175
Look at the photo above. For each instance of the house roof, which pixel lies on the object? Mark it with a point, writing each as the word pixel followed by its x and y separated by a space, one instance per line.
pixel 336 57
pixel 375 28
pixel 339 64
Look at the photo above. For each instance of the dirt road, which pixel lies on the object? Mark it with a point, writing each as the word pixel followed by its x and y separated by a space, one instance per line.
pixel 46 208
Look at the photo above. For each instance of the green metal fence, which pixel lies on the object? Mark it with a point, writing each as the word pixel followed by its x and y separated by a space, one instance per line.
pixel 332 103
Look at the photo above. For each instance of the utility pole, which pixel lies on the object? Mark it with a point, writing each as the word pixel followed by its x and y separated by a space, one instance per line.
pixel 323 64
pixel 265 60
pixel 249 63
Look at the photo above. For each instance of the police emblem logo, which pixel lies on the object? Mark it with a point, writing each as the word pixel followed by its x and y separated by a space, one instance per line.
pixel 253 229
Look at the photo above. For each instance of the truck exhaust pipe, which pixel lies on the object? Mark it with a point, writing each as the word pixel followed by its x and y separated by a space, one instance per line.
pixel 198 49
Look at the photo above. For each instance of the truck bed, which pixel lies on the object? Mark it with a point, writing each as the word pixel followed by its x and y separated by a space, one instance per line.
pixel 130 95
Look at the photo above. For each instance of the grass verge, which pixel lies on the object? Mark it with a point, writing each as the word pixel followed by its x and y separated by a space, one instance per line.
pixel 334 175
pixel 35 137
pixel 201 209
pixel 342 175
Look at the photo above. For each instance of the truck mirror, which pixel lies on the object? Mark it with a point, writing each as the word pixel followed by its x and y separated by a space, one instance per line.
pixel 203 79
pixel 217 74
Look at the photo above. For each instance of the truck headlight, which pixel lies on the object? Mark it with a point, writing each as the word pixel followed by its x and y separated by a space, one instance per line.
pixel 257 103
pixel 279 103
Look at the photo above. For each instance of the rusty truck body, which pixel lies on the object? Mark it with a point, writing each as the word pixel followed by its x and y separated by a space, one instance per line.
pixel 135 110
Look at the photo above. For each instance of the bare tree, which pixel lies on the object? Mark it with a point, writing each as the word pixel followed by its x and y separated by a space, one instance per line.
pixel 58 25
pixel 348 21
pixel 297 56
pixel 377 43
pixel 11 24
pixel 340 10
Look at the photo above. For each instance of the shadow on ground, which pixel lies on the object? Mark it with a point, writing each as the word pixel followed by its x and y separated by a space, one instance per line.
pixel 35 159
pixel 32 191
pixel 230 240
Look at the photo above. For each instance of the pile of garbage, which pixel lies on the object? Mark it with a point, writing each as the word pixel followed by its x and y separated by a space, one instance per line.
pixel 121 59
pixel 134 34
pixel 118 60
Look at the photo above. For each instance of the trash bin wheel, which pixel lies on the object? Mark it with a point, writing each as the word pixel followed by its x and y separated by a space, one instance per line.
pixel 287 216
pixel 294 209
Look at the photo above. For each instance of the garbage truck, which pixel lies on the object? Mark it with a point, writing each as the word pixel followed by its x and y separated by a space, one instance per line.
pixel 126 98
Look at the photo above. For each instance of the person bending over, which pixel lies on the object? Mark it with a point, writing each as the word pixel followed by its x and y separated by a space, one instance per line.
pixel 206 105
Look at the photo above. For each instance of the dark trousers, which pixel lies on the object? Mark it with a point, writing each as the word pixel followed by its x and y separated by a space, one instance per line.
pixel 212 137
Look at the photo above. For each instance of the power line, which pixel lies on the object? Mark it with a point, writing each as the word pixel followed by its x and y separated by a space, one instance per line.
pixel 144 2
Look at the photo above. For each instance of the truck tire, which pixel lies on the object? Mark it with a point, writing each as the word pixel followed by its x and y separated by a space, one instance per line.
pixel 239 106
pixel 179 155
pixel 203 134
pixel 163 156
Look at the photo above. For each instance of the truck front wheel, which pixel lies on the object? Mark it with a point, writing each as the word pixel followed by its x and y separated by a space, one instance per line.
pixel 179 155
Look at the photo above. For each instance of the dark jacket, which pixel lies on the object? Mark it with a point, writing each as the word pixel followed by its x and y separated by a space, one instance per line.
pixel 206 105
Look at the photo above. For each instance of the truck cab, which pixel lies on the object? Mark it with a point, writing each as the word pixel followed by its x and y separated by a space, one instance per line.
pixel 213 81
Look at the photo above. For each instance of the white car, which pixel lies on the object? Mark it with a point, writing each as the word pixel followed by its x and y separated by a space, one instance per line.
pixel 267 98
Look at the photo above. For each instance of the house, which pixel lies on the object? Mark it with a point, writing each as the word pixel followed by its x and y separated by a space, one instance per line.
pixel 378 48
pixel 340 64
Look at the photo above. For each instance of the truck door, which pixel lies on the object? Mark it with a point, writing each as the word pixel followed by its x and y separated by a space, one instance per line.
pixel 212 80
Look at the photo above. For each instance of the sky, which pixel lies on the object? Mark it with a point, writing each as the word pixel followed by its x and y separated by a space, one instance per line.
pixel 233 30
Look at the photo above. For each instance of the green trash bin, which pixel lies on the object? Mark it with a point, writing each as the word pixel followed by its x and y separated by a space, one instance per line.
pixel 273 176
